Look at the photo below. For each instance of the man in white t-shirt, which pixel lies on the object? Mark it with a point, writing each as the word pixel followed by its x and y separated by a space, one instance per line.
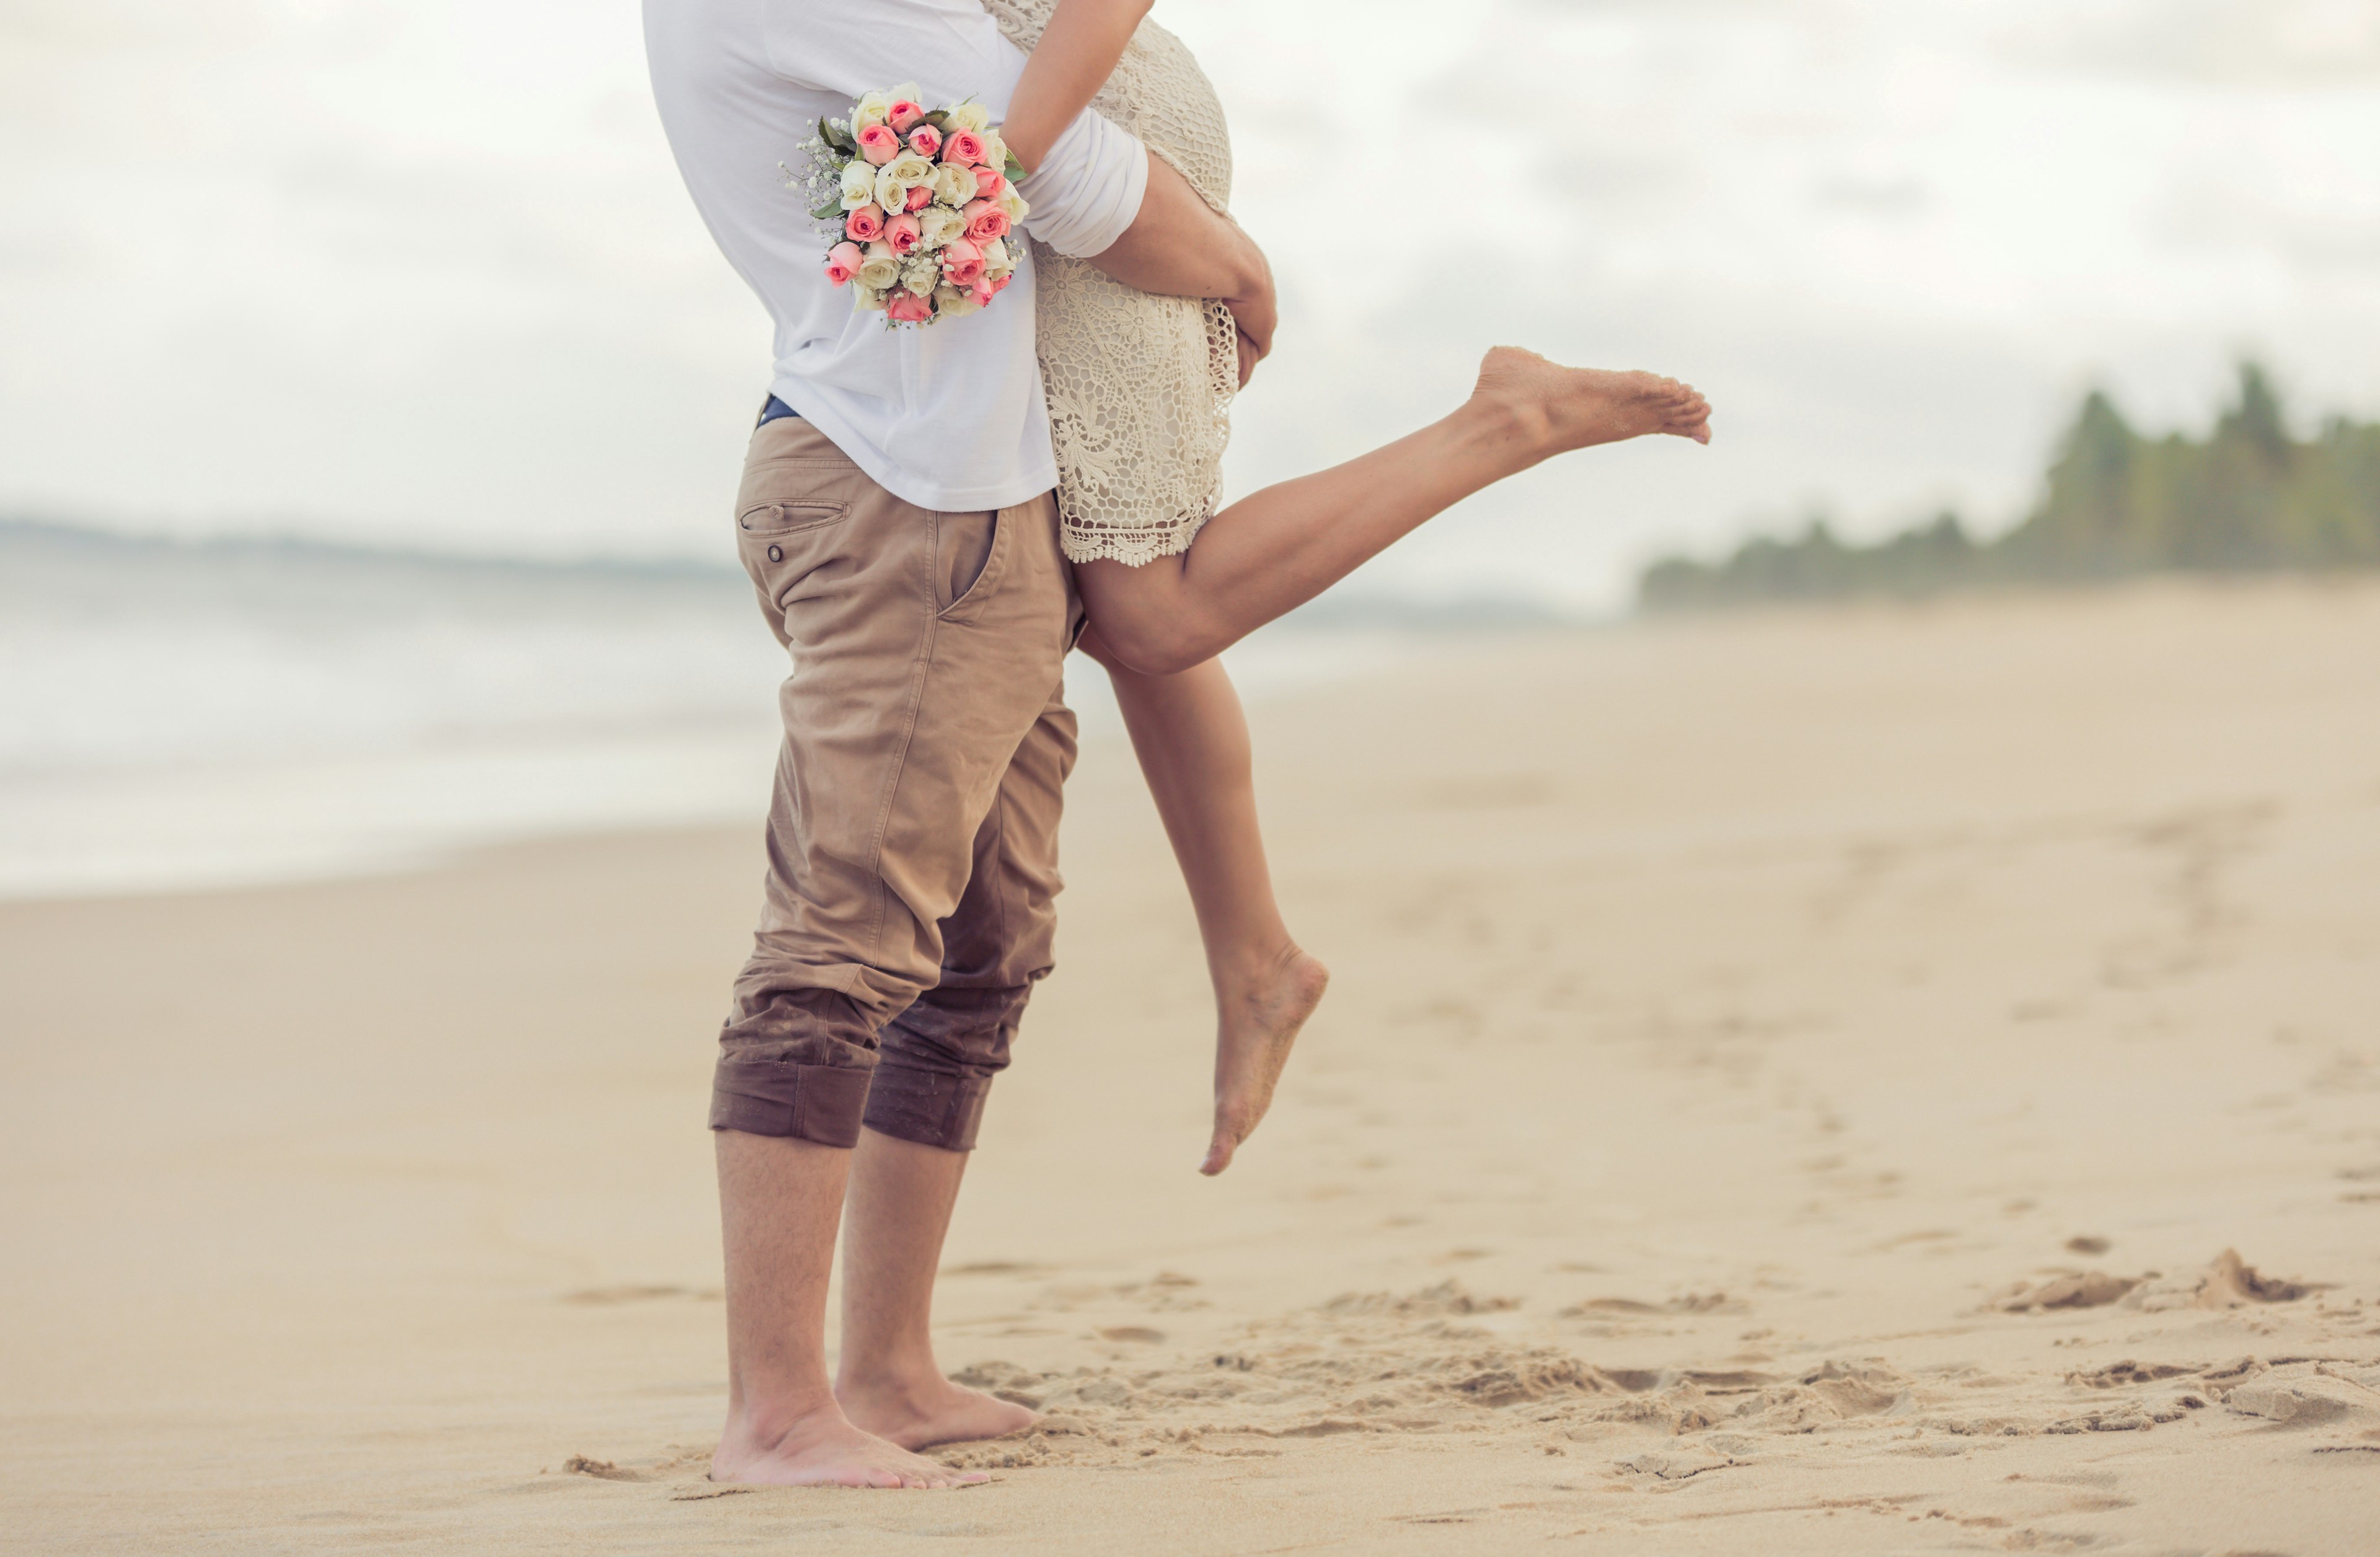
pixel 897 521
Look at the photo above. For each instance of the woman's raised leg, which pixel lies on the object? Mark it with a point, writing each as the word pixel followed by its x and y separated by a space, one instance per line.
pixel 1275 549
pixel 1192 739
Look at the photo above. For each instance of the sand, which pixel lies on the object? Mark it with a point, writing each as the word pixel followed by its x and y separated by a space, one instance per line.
pixel 1892 1080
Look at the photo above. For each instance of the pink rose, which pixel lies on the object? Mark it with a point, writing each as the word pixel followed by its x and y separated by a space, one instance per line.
pixel 908 307
pixel 905 114
pixel 989 183
pixel 962 263
pixel 843 263
pixel 986 221
pixel 926 141
pixel 921 196
pixel 864 224
pixel 879 144
pixel 904 233
pixel 963 147
pixel 1000 283
pixel 983 291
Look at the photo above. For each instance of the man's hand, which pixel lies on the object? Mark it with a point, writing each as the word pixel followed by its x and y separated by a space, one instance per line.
pixel 1257 315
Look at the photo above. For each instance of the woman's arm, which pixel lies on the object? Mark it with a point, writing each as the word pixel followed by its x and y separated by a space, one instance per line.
pixel 1078 51
pixel 1178 246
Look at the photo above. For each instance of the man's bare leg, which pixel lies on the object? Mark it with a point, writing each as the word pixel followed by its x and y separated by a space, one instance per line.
pixel 887 1379
pixel 1192 738
pixel 1276 548
pixel 778 1200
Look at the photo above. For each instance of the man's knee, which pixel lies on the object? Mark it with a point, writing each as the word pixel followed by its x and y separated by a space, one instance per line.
pixel 937 1063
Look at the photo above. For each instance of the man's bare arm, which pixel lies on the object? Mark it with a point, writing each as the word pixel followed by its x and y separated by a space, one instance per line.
pixel 1179 247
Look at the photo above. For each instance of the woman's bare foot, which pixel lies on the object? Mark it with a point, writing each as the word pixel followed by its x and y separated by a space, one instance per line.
pixel 919 1414
pixel 825 1449
pixel 1559 409
pixel 1256 1021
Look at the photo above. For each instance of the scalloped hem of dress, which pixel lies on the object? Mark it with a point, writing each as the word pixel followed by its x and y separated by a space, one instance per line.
pixel 1134 548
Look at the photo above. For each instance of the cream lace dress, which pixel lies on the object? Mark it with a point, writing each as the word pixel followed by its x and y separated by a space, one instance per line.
pixel 1140 387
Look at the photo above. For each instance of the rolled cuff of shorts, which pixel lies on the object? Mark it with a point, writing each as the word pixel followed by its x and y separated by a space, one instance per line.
pixel 929 1106
pixel 764 1096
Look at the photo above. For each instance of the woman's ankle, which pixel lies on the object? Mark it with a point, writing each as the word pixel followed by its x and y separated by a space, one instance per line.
pixel 1252 964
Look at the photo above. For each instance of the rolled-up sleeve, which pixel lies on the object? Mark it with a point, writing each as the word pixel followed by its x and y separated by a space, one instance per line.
pixel 1088 189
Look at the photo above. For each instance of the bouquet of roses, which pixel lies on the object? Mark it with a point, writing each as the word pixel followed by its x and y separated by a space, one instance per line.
pixel 917 205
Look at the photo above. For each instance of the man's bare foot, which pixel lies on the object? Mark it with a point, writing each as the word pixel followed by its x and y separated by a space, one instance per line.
pixel 824 1448
pixel 1256 1021
pixel 1559 409
pixel 919 1414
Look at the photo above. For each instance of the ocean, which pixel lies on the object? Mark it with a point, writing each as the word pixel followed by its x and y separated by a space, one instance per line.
pixel 178 715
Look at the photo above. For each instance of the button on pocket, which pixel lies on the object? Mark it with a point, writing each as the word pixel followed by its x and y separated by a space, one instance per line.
pixel 776 554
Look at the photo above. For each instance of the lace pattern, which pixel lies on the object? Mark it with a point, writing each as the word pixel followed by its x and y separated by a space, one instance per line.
pixel 1140 387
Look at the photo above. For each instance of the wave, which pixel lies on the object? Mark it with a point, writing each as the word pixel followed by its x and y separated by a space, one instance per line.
pixel 177 712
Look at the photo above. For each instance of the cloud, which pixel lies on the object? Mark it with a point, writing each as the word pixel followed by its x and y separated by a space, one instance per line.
pixel 2229 42
pixel 427 270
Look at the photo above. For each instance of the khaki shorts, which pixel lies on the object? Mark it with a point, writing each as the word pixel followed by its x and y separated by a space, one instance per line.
pixel 912 838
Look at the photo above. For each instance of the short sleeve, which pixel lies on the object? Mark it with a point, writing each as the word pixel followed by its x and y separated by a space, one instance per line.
pixel 1088 189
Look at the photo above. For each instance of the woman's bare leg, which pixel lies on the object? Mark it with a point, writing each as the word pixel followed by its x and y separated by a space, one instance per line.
pixel 1192 740
pixel 1277 549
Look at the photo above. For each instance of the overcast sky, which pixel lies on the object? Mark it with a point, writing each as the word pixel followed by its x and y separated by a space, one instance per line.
pixel 422 270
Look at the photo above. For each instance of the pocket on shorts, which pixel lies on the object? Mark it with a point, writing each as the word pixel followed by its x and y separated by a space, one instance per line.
pixel 772 519
pixel 963 547
pixel 972 548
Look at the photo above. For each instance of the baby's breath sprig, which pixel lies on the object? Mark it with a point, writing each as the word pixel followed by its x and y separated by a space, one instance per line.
pixel 827 151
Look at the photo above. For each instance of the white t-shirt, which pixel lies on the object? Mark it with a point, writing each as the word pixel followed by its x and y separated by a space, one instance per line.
pixel 950 415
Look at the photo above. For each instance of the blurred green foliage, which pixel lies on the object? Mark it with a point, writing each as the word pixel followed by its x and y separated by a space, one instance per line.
pixel 2246 498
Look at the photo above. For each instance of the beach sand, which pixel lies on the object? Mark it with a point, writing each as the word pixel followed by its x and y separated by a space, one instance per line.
pixel 1884 1081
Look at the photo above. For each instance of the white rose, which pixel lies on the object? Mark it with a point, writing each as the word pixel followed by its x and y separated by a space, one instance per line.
pixel 872 109
pixel 995 152
pixel 955 185
pixel 911 170
pixel 905 93
pixel 969 115
pixel 995 255
pixel 951 303
pixel 939 224
pixel 866 300
pixel 1014 203
pixel 922 275
pixel 891 193
pixel 859 184
pixel 881 270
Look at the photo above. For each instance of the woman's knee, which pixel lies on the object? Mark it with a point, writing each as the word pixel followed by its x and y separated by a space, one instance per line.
pixel 1141 623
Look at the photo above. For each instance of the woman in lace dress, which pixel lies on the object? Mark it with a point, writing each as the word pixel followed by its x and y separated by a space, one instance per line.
pixel 1139 386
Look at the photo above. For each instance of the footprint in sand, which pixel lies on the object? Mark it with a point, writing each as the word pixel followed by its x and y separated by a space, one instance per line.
pixel 608 1296
pixel 2227 1281
pixel 1140 1334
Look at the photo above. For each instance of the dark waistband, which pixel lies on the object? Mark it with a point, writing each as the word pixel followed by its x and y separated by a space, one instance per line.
pixel 772 411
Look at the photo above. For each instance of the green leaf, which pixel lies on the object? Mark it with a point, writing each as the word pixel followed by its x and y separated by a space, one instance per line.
pixel 1014 171
pixel 832 208
pixel 835 138
pixel 939 117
